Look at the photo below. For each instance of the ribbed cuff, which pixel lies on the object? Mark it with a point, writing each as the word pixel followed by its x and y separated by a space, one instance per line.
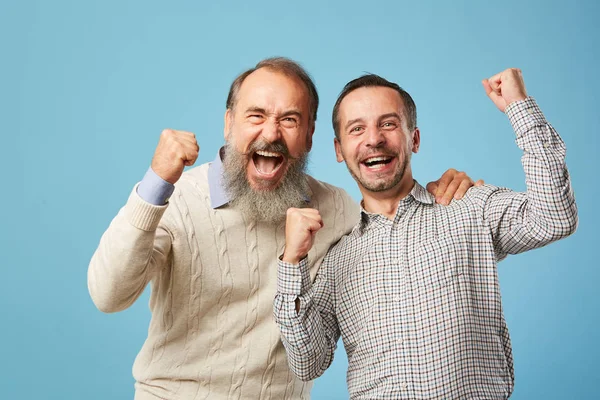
pixel 143 215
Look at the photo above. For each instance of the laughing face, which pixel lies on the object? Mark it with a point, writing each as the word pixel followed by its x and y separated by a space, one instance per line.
pixel 270 126
pixel 375 141
pixel 268 136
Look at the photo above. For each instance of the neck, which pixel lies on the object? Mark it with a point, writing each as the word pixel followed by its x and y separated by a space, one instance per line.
pixel 386 202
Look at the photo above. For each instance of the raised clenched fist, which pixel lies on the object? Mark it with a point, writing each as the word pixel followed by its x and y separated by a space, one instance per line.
pixel 506 87
pixel 175 151
pixel 301 226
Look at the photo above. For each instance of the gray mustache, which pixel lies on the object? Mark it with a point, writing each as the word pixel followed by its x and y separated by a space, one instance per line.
pixel 276 147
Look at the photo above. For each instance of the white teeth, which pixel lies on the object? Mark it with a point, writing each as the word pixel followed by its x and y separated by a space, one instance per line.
pixel 375 159
pixel 267 153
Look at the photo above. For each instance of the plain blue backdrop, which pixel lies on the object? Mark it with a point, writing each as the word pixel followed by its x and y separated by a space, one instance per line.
pixel 87 86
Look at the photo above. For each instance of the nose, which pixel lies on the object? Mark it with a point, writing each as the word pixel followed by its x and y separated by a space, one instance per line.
pixel 271 131
pixel 374 138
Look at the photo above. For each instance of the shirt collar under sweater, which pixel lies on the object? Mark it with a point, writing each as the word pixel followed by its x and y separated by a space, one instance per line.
pixel 218 195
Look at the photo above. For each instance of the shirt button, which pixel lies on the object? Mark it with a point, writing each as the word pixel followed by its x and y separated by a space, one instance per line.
pixel 404 385
pixel 400 341
pixel 546 145
pixel 397 298
pixel 530 111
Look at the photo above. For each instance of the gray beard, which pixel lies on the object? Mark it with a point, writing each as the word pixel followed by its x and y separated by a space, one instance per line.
pixel 269 205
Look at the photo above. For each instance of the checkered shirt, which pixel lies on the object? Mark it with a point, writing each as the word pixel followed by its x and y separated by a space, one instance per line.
pixel 416 299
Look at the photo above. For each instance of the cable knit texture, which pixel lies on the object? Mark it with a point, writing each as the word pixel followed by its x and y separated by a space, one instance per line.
pixel 213 274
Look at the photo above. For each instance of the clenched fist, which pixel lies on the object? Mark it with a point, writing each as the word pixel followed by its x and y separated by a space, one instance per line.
pixel 175 151
pixel 301 226
pixel 506 87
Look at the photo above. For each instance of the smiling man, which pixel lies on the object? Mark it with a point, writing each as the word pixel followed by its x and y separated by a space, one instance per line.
pixel 209 244
pixel 413 289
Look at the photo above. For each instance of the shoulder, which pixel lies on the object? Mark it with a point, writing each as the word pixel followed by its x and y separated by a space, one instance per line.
pixel 335 202
pixel 477 197
pixel 482 193
pixel 323 191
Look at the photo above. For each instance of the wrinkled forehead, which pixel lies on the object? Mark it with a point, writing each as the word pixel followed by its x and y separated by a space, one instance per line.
pixel 274 91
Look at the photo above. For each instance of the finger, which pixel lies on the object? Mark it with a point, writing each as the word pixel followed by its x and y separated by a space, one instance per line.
pixel 188 140
pixel 432 187
pixel 496 81
pixel 183 133
pixel 190 156
pixel 490 92
pixel 486 86
pixel 480 183
pixel 308 210
pixel 312 225
pixel 450 190
pixel 444 181
pixel 316 217
pixel 463 188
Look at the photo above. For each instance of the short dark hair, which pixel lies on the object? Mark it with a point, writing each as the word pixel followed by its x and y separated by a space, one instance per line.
pixel 371 80
pixel 287 67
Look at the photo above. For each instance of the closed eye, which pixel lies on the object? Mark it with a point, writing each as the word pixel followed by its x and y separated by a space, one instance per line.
pixel 288 122
pixel 255 118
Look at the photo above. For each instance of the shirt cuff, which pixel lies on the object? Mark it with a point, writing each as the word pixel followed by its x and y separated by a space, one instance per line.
pixel 524 115
pixel 155 190
pixel 293 278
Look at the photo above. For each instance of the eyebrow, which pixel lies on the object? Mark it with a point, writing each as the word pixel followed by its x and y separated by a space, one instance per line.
pixel 381 117
pixel 293 111
pixel 256 110
pixel 353 121
pixel 390 115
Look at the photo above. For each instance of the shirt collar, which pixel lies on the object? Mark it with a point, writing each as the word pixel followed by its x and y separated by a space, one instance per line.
pixel 218 195
pixel 418 193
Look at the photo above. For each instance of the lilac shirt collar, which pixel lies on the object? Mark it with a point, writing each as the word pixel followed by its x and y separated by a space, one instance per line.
pixel 218 194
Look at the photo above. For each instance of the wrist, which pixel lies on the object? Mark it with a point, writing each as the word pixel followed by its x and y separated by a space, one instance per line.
pixel 291 258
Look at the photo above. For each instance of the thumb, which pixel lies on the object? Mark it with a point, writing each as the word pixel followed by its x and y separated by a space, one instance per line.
pixel 496 99
pixel 432 187
pixel 486 86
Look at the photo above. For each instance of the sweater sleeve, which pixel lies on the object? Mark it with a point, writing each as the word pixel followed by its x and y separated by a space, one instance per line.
pixel 133 248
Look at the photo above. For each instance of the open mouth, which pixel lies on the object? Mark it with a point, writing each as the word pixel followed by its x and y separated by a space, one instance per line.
pixel 377 162
pixel 267 163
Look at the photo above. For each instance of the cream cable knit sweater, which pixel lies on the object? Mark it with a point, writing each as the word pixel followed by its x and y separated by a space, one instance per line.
pixel 213 274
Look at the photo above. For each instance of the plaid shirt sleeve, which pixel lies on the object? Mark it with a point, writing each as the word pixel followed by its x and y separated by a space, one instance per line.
pixel 309 335
pixel 546 211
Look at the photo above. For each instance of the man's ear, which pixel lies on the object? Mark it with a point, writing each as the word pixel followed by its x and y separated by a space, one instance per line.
pixel 311 132
pixel 227 123
pixel 338 150
pixel 416 141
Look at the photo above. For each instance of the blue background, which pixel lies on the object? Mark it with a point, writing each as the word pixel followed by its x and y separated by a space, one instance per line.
pixel 87 86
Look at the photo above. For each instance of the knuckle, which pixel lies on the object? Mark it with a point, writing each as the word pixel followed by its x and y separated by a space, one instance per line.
pixel 166 133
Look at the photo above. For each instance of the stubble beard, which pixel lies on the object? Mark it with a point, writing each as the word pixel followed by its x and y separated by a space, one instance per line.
pixel 377 186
